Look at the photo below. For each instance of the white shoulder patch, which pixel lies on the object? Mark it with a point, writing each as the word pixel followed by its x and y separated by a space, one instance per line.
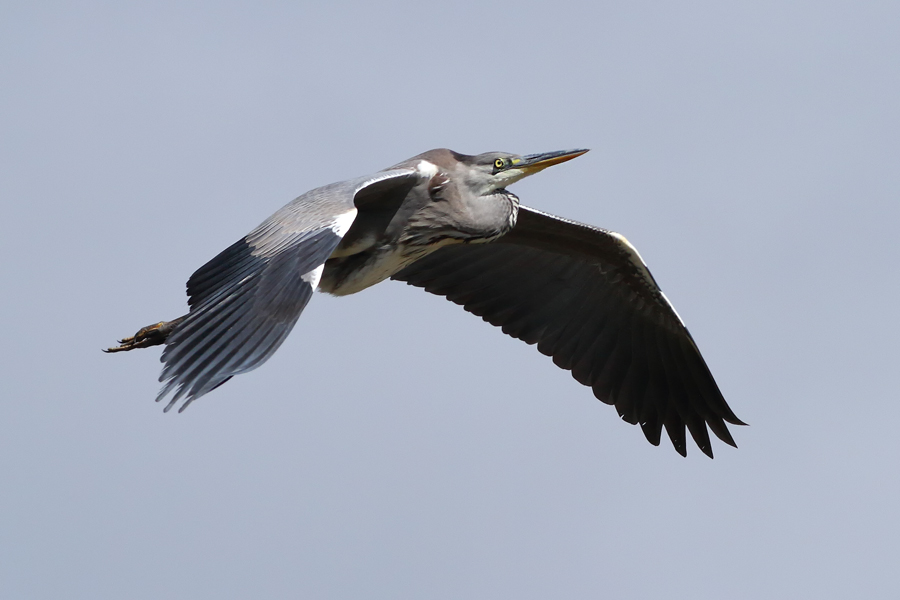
pixel 645 272
pixel 313 277
pixel 343 222
pixel 634 255
pixel 427 169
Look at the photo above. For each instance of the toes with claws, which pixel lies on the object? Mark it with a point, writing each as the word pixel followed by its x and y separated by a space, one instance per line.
pixel 151 335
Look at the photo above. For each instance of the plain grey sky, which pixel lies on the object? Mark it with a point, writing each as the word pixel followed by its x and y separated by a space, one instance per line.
pixel 397 447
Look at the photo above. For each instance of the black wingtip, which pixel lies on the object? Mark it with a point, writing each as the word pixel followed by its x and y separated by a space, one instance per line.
pixel 652 431
pixel 730 416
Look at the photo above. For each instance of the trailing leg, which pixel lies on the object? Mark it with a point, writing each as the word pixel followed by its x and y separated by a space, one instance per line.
pixel 151 335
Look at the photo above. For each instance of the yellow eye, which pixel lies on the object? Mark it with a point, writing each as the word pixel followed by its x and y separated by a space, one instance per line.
pixel 498 164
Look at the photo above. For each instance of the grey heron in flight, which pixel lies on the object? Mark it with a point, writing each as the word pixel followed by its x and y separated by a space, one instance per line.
pixel 445 222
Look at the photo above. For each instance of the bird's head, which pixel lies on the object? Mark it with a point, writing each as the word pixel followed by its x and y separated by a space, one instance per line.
pixel 485 173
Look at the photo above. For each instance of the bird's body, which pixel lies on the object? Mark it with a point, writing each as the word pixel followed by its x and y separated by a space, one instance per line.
pixel 432 213
pixel 445 222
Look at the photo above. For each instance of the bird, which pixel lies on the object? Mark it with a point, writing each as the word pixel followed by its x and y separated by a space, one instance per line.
pixel 446 222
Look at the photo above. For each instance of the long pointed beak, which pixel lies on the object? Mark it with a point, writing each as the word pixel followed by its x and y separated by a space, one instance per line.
pixel 533 163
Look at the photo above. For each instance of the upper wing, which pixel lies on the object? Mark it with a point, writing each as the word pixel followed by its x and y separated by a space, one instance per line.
pixel 245 301
pixel 586 298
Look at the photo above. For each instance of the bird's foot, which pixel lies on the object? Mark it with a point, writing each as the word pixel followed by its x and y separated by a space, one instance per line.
pixel 151 335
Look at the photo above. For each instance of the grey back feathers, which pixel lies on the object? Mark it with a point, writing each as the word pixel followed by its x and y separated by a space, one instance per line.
pixel 445 222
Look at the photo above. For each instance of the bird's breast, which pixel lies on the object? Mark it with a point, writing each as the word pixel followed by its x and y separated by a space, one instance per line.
pixel 345 275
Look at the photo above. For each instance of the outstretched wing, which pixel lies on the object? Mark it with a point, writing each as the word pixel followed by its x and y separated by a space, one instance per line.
pixel 586 298
pixel 245 301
